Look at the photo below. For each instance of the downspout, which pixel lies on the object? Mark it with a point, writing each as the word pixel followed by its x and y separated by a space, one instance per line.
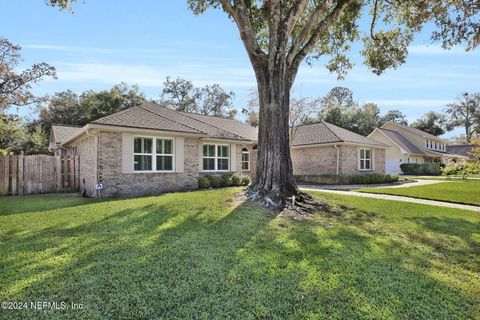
pixel 338 159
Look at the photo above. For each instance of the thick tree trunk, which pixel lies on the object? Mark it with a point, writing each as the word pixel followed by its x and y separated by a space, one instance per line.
pixel 274 176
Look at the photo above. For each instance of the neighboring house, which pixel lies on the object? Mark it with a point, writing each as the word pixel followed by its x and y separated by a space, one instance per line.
pixel 325 149
pixel 462 149
pixel 151 149
pixel 410 145
pixel 58 136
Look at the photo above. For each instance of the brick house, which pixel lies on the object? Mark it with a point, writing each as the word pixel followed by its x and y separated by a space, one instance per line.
pixel 151 149
pixel 325 149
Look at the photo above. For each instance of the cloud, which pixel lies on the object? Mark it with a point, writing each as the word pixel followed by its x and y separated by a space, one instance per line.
pixel 146 75
pixel 430 50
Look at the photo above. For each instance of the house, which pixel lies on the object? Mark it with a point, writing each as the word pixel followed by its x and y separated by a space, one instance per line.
pixel 411 145
pixel 325 149
pixel 465 150
pixel 151 149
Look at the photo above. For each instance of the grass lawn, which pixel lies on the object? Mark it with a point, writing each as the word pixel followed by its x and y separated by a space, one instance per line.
pixel 204 255
pixel 465 191
pixel 454 178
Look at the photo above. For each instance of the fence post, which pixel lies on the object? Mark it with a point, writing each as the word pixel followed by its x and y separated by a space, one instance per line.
pixel 14 173
pixel 20 176
pixel 2 172
pixel 6 175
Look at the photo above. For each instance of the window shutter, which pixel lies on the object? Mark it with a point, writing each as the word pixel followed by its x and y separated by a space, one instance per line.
pixel 179 154
pixel 233 157
pixel 127 153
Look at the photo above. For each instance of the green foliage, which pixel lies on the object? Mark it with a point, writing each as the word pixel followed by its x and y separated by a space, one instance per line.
pixel 464 169
pixel 373 178
pixel 213 100
pixel 13 134
pixel 432 122
pixel 204 183
pixel 68 108
pixel 245 180
pixel 236 180
pixel 428 169
pixel 16 87
pixel 190 255
pixel 225 180
pixel 465 113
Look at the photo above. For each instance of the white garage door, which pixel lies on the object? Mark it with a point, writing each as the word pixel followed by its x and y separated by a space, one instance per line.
pixel 393 166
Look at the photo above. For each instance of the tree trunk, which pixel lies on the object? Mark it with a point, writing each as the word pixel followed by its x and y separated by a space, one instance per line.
pixel 274 176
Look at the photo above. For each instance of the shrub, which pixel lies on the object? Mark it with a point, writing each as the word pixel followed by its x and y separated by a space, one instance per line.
pixel 204 183
pixel 236 180
pixel 245 180
pixel 373 178
pixel 226 180
pixel 463 170
pixel 215 181
pixel 429 169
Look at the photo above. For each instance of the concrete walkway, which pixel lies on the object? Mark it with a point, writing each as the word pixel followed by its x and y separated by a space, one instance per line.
pixel 417 183
pixel 394 198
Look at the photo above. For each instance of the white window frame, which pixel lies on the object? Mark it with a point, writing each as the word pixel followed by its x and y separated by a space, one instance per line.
pixel 154 154
pixel 216 157
pixel 154 165
pixel 364 159
pixel 248 161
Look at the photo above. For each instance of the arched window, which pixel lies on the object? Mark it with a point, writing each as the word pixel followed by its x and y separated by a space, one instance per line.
pixel 245 159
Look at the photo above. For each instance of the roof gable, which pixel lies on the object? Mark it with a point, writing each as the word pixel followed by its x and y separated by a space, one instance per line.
pixel 61 133
pixel 401 141
pixel 324 132
pixel 392 125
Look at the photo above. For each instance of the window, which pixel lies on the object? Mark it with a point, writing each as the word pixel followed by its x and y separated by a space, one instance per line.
pixel 216 157
pixel 142 154
pixel 150 154
pixel 164 155
pixel 245 159
pixel 365 159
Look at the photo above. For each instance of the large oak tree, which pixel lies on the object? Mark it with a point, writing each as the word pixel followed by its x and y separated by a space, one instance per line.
pixel 279 35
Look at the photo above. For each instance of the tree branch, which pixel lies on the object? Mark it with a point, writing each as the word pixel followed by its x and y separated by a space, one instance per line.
pixel 247 33
pixel 293 59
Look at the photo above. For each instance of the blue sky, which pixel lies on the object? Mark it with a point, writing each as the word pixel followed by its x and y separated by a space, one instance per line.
pixel 106 42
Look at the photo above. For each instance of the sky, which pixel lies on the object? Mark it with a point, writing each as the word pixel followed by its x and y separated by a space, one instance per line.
pixel 142 42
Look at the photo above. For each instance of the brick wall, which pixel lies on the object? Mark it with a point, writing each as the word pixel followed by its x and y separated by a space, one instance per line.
pixel 86 148
pixel 323 160
pixel 314 160
pixel 118 184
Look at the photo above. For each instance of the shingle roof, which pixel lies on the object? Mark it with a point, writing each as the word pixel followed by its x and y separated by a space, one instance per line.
pixel 415 130
pixel 157 117
pixel 61 133
pixel 324 132
pixel 460 149
pixel 401 141
pixel 142 117
pixel 235 127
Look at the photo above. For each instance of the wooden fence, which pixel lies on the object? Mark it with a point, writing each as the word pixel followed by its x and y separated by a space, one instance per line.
pixel 21 175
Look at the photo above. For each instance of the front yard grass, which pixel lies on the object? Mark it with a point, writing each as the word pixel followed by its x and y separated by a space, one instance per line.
pixel 205 255
pixel 464 191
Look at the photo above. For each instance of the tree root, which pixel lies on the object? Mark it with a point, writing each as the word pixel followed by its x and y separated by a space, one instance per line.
pixel 299 206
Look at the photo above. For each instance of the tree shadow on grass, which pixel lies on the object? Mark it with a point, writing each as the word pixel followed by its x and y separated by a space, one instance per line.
pixel 147 262
pixel 155 260
pixel 344 268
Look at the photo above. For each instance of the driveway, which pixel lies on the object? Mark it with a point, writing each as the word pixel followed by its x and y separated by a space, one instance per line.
pixel 394 198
